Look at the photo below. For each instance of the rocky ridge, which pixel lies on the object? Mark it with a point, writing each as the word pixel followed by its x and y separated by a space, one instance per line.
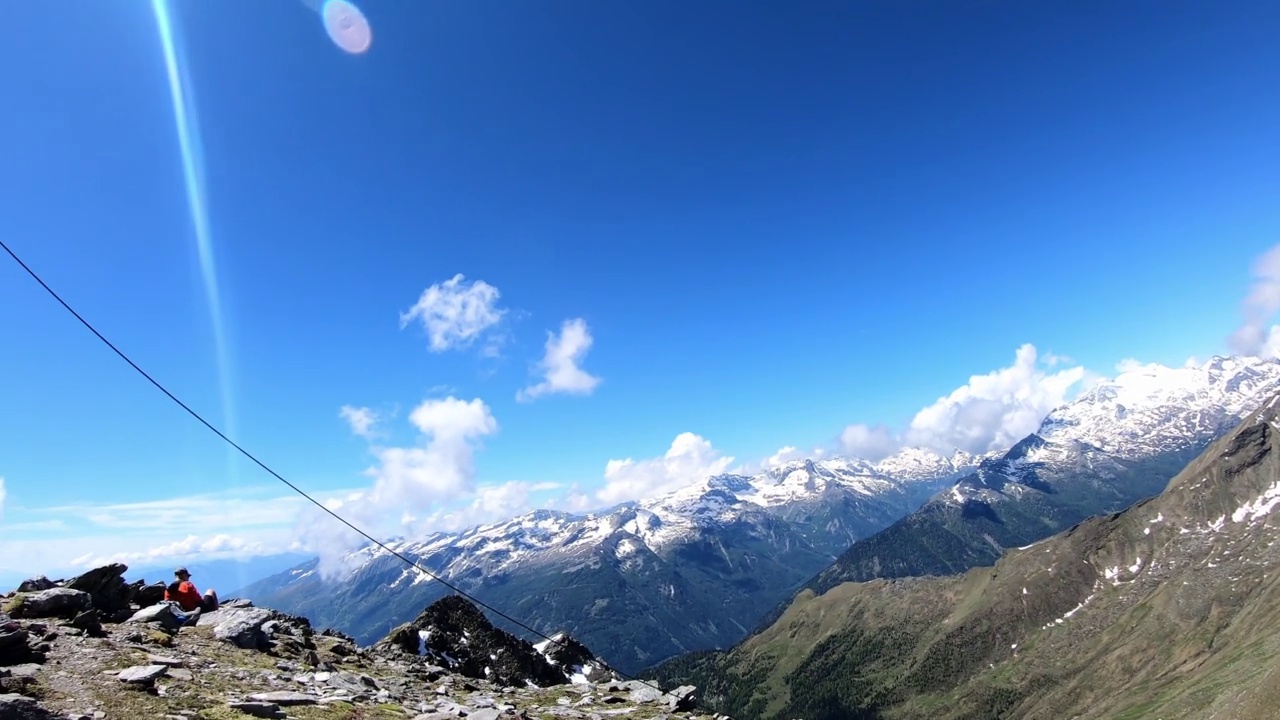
pixel 62 656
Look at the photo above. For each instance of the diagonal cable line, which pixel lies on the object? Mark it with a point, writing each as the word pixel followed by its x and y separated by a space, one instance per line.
pixel 293 487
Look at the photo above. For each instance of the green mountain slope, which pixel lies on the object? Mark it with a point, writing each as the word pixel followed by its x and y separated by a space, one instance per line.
pixel 1168 609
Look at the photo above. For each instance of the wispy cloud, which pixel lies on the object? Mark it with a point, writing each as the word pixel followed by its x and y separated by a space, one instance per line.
pixel 195 547
pixel 561 365
pixel 455 314
pixel 361 419
pixel 490 503
pixel 240 523
pixel 783 456
pixel 1260 305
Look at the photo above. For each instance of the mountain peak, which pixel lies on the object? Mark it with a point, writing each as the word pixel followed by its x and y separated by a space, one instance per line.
pixel 1151 408
pixel 455 634
pixel 1145 612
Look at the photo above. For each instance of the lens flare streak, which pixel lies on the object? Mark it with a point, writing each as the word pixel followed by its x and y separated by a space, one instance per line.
pixel 193 177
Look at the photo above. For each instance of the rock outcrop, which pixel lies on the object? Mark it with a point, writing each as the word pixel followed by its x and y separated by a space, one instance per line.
pixel 456 635
pixel 137 659
pixel 89 599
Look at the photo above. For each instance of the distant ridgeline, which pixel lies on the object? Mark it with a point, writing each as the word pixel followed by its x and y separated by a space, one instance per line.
pixel 698 568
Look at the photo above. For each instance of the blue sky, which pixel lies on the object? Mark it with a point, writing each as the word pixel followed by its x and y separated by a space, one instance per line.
pixel 772 220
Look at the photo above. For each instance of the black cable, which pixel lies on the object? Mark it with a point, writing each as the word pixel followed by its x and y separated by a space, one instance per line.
pixel 293 487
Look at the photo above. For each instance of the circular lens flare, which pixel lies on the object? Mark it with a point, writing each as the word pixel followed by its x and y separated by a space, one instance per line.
pixel 347 26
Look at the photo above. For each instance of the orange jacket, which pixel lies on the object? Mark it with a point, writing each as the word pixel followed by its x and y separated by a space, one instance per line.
pixel 188 597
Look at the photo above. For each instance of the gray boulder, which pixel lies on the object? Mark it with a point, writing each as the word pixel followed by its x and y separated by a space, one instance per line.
pixel 14 646
pixel 161 615
pixel 106 586
pixel 644 693
pixel 54 602
pixel 25 670
pixel 259 709
pixel 352 683
pixel 148 595
pixel 142 674
pixel 21 707
pixel 285 698
pixel 36 584
pixel 682 698
pixel 240 626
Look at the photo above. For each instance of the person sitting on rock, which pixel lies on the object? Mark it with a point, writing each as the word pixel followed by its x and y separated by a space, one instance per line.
pixel 187 596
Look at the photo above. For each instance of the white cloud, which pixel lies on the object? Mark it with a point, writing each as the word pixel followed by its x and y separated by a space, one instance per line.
pixel 240 523
pixel 561 366
pixel 1129 365
pixel 1053 359
pixel 868 442
pixel 455 313
pixel 193 547
pixel 361 419
pixel 409 483
pixel 490 503
pixel 1253 338
pixel 690 459
pixel 990 412
pixel 995 410
pixel 441 467
pixel 782 457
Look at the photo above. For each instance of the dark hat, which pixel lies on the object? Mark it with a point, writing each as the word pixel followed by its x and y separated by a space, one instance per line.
pixel 181 571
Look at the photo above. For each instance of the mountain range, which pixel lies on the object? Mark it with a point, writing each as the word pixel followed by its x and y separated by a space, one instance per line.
pixel 1119 442
pixel 698 568
pixel 1165 610
pixel 687 571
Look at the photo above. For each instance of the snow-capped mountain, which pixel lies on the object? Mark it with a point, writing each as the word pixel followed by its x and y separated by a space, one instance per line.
pixel 685 571
pixel 697 568
pixel 1117 443
pixel 1165 610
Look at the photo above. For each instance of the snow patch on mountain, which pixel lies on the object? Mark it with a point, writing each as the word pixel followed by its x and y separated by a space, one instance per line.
pixel 1149 409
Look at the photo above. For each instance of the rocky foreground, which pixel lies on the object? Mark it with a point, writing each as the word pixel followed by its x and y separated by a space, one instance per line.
pixel 94 647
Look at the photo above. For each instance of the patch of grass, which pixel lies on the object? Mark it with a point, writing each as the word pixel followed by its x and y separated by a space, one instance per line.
pixel 13 605
pixel 120 700
pixel 158 637
pixel 221 713
pixel 347 711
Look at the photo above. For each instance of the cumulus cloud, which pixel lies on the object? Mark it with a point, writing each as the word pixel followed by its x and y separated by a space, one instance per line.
pixel 561 366
pixel 869 442
pixel 1253 337
pixel 409 483
pixel 995 410
pixel 456 313
pixel 441 466
pixel 990 412
pixel 690 458
pixel 361 419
